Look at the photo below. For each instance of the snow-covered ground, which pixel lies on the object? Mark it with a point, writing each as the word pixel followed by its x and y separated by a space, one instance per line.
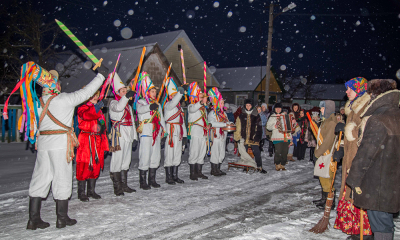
pixel 238 206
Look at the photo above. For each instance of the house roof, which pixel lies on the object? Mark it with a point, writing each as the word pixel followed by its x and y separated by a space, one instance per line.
pixel 240 79
pixel 81 73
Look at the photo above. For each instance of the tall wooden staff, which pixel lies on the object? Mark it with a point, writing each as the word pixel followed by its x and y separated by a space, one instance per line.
pixel 163 83
pixel 135 79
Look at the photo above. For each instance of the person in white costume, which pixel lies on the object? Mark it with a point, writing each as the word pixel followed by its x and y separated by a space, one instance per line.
pixel 218 119
pixel 123 135
pixel 198 128
pixel 55 149
pixel 151 130
pixel 176 129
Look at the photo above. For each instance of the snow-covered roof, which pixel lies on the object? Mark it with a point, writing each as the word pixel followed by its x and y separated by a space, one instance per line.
pixel 321 92
pixel 240 78
pixel 82 72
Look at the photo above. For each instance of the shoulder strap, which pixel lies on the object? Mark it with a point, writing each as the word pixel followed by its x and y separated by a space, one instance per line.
pixel 45 107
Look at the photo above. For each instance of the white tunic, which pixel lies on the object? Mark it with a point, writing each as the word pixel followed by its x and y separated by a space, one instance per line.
pixel 194 114
pixel 143 110
pixel 116 110
pixel 169 110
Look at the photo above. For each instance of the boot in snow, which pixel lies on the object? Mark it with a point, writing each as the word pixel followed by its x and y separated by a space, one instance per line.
pixel 174 172
pixel 282 167
pixel 198 171
pixel 117 183
pixel 142 181
pixel 90 189
pixel 321 204
pixel 219 170
pixel 193 172
pixel 81 191
pixel 277 167
pixel 34 222
pixel 214 170
pixel 168 176
pixel 124 179
pixel 62 214
pixel 152 178
pixel 319 200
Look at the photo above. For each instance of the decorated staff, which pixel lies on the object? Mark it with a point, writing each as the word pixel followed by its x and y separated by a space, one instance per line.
pixel 123 135
pixel 80 45
pixel 163 83
pixel 111 81
pixel 218 119
pixel 176 130
pixel 51 122
pixel 198 131
pixel 134 83
pixel 151 129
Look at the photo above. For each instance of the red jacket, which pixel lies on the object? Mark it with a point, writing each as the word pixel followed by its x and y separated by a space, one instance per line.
pixel 89 125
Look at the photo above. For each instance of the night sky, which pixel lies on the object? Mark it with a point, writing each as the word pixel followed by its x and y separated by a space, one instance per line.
pixel 337 39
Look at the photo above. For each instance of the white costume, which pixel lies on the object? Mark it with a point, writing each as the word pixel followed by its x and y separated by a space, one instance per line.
pixel 198 140
pixel 175 121
pixel 219 143
pixel 121 159
pixel 51 167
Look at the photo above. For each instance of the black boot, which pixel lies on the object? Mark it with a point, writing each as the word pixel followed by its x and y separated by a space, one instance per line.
pixel 199 173
pixel 117 183
pixel 142 181
pixel 219 170
pixel 321 204
pixel 90 188
pixel 168 176
pixel 193 172
pixel 214 170
pixel 62 214
pixel 35 204
pixel 152 178
pixel 124 179
pixel 174 172
pixel 319 200
pixel 81 191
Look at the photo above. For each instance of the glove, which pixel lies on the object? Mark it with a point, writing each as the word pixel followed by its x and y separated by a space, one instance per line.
pixel 181 90
pixel 153 106
pixel 339 128
pixel 163 140
pixel 98 106
pixel 185 86
pixel 184 141
pixel 134 144
pixel 103 71
pixel 130 94
pixel 337 155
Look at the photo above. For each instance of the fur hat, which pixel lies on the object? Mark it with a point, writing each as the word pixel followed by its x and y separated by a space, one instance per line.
pixel 248 101
pixel 379 86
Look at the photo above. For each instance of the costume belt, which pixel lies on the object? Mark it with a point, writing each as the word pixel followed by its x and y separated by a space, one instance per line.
pixel 95 149
pixel 72 140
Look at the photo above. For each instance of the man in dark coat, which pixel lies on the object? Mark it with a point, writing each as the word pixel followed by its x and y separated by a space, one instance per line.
pixel 249 130
pixel 375 172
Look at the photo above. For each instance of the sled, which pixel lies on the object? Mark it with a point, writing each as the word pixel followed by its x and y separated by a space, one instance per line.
pixel 237 165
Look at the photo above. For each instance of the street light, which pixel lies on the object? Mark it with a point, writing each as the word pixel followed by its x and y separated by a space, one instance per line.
pixel 269 48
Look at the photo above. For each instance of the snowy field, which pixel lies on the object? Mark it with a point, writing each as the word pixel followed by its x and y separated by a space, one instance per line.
pixel 236 206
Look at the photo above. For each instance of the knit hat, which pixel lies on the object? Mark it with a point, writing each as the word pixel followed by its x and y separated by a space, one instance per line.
pixel 358 85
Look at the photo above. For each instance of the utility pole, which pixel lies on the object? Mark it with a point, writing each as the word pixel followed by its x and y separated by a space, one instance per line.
pixel 269 48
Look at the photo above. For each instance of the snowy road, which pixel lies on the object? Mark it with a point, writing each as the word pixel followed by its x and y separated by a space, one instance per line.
pixel 239 206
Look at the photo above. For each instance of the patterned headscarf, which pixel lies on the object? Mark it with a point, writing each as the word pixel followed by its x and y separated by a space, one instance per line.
pixel 358 85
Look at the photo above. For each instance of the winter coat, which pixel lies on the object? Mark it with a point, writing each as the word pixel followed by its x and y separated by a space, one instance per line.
pixel 276 135
pixel 353 113
pixel 376 166
pixel 328 135
pixel 303 124
pixel 249 127
pixel 264 119
pixel 88 120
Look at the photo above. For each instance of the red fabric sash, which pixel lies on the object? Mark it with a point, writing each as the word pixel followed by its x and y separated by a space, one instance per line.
pixel 172 125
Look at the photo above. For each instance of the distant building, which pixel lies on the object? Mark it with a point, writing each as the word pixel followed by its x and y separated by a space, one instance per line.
pixel 238 84
pixel 162 49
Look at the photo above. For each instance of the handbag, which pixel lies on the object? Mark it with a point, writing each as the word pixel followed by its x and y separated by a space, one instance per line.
pixel 321 168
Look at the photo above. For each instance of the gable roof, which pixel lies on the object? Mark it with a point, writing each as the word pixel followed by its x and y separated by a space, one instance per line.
pixel 241 78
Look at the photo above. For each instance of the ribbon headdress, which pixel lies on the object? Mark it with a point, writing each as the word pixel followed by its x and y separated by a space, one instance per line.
pixel 143 87
pixel 194 92
pixel 32 73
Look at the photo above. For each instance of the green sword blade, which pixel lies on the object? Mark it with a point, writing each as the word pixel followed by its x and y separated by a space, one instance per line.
pixel 77 42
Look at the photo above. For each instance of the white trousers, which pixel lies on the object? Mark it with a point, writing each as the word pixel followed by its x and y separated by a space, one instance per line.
pixel 120 160
pixel 218 150
pixel 197 150
pixel 173 155
pixel 51 168
pixel 149 155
